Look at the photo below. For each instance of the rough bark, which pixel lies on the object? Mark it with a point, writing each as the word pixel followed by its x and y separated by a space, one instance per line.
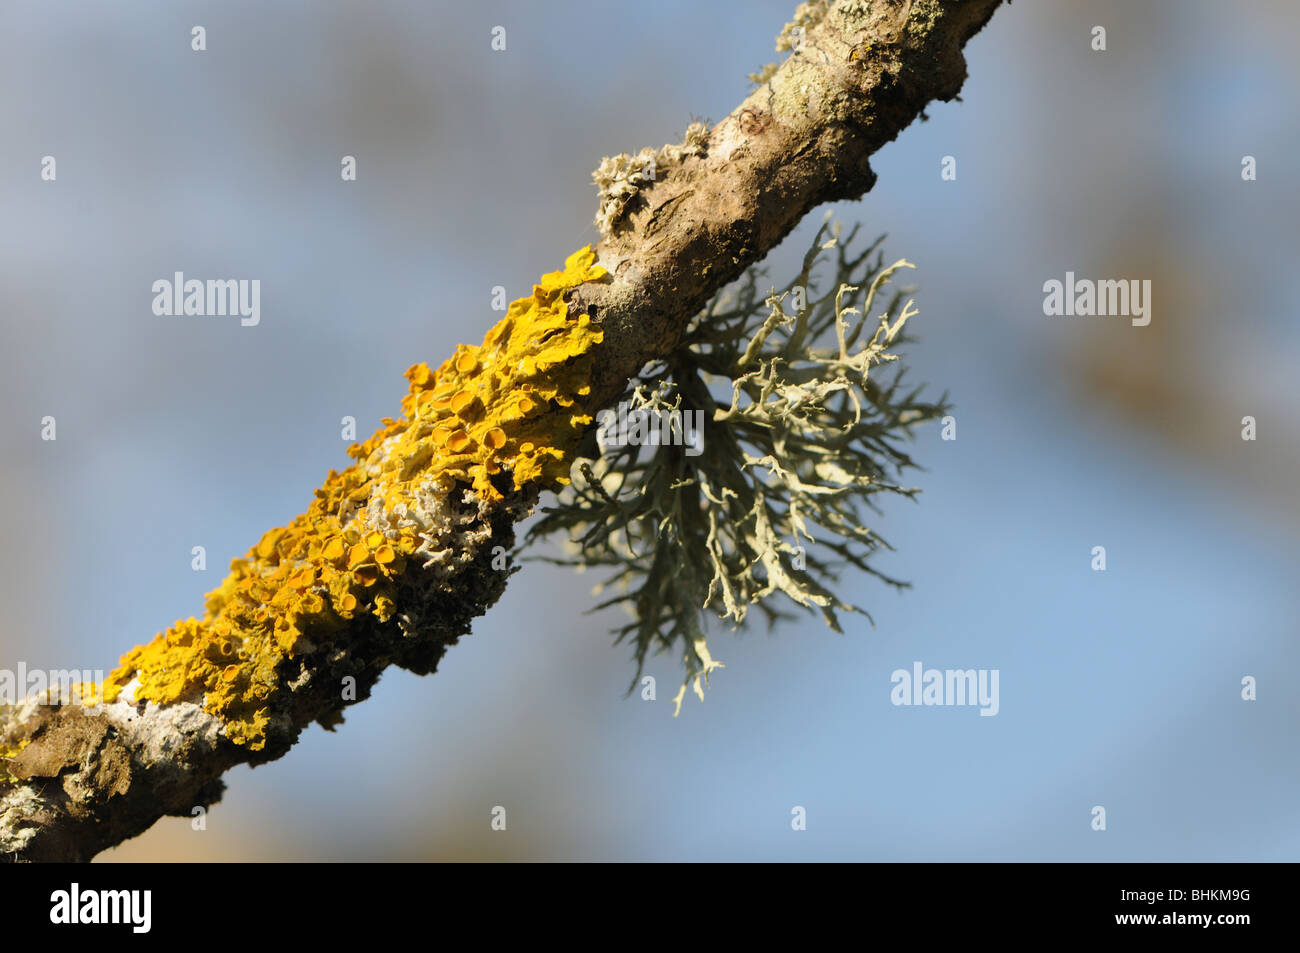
pixel 91 778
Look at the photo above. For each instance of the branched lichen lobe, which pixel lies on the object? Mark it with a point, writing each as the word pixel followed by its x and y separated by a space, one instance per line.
pixel 503 416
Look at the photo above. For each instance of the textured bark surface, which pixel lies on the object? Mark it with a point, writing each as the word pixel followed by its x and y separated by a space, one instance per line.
pixel 91 778
pixel 804 138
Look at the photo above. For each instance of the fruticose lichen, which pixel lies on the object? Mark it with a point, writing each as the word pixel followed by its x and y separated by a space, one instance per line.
pixel 491 420
pixel 619 179
pixel 773 499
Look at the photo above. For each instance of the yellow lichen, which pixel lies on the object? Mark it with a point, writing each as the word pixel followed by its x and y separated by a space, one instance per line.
pixel 503 410
pixel 7 752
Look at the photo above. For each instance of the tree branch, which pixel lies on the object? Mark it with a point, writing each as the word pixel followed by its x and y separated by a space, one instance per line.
pixel 398 553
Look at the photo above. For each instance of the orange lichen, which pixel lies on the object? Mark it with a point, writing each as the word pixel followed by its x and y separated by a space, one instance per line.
pixel 505 407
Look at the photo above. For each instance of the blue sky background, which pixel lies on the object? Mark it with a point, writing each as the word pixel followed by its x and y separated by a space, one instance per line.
pixel 1119 689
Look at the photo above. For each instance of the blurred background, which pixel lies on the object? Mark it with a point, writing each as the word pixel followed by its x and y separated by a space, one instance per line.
pixel 1119 688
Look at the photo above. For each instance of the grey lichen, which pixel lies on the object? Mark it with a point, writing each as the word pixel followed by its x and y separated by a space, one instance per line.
pixel 853 9
pixel 772 498
pixel 806 16
pixel 16 805
pixel 620 179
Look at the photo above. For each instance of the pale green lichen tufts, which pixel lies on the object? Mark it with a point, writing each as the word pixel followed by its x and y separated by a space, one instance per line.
pixel 620 179
pixel 747 464
pixel 806 16
pixel 853 9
